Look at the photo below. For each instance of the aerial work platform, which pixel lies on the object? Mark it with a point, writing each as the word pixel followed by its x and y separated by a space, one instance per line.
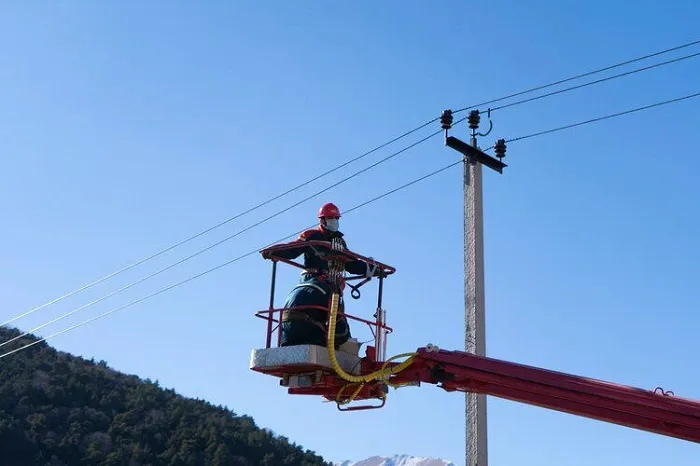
pixel 346 377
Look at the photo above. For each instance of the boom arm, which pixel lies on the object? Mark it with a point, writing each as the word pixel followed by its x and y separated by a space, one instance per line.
pixel 641 409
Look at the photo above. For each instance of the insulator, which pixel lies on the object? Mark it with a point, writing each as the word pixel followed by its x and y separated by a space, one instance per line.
pixel 474 119
pixel 446 119
pixel 500 148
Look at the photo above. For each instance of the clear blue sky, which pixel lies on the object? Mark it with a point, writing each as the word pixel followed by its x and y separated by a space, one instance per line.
pixel 127 126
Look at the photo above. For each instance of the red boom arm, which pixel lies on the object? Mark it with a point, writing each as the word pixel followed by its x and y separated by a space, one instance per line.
pixel 618 404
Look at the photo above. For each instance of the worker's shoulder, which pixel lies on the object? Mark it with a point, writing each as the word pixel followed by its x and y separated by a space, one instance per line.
pixel 316 234
pixel 312 235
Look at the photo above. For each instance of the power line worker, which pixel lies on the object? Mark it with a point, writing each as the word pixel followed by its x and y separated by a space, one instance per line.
pixel 310 326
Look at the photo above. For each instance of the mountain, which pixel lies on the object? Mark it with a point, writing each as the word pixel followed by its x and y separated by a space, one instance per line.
pixel 398 460
pixel 61 410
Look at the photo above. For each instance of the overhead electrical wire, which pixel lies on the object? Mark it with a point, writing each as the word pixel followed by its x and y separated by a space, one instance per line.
pixel 208 271
pixel 583 75
pixel 365 154
pixel 218 225
pixel 597 81
pixel 228 238
pixel 606 117
pixel 250 253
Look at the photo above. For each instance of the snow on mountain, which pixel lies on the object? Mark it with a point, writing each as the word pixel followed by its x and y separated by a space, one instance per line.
pixel 398 460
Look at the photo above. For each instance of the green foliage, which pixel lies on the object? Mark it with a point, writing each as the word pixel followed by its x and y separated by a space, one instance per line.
pixel 61 410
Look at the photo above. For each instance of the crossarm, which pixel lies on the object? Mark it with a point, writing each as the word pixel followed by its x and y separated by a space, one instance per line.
pixel 646 410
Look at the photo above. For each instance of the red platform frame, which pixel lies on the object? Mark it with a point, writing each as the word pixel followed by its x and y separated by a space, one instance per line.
pixel 378 327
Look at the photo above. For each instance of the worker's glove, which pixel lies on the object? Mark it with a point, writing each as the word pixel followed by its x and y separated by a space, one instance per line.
pixel 371 268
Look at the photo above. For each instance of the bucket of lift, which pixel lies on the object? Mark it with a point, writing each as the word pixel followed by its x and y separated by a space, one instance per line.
pixel 307 369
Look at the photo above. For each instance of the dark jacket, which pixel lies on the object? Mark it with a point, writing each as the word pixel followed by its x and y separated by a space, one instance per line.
pixel 311 261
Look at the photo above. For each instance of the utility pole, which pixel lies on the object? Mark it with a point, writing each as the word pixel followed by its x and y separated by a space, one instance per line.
pixel 476 445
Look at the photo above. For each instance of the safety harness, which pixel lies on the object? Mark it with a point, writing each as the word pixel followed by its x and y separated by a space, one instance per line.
pixel 322 276
pixel 299 314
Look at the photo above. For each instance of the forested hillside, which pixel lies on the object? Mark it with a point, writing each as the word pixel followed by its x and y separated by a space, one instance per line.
pixel 57 409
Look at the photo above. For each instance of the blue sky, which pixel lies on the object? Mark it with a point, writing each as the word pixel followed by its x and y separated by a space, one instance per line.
pixel 124 129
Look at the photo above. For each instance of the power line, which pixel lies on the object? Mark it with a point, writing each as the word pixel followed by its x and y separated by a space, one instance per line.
pixel 583 75
pixel 520 138
pixel 201 274
pixel 606 117
pixel 540 133
pixel 598 81
pixel 218 225
pixel 228 238
pixel 365 154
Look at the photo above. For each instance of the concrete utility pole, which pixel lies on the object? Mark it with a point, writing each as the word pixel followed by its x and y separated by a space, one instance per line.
pixel 474 296
pixel 474 304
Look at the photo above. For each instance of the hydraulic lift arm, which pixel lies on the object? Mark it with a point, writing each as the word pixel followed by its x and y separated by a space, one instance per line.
pixel 646 410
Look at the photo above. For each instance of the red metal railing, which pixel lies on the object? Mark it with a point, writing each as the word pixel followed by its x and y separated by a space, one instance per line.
pixel 272 318
pixel 324 248
pixel 272 315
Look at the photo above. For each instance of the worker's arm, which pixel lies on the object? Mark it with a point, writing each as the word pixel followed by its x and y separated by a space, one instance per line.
pixel 294 252
pixel 358 267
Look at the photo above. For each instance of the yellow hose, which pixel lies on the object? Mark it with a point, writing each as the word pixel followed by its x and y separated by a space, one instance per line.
pixel 352 397
pixel 362 384
pixel 376 375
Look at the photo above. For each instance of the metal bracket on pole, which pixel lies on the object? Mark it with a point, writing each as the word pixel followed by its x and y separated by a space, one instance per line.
pixel 474 154
pixel 471 152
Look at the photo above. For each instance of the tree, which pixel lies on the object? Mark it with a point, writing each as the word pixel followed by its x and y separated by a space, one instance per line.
pixel 59 410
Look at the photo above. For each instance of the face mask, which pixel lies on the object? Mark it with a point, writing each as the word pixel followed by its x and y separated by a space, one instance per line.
pixel 332 224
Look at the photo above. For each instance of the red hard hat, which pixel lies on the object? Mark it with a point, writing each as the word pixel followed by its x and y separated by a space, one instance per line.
pixel 329 210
